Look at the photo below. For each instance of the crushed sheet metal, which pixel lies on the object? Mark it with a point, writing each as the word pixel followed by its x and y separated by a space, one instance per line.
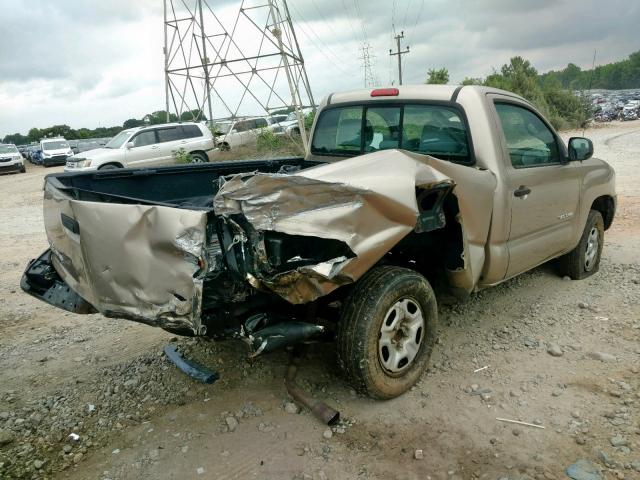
pixel 367 202
pixel 131 261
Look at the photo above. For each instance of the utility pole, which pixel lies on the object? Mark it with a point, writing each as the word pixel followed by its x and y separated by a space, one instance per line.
pixel 399 53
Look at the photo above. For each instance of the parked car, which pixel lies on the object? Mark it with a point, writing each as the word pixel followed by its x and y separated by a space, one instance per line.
pixel 469 186
pixel 234 133
pixel 23 150
pixel 31 149
pixel 11 159
pixel 54 151
pixel 84 145
pixel 275 123
pixel 151 146
pixel 73 144
pixel 290 124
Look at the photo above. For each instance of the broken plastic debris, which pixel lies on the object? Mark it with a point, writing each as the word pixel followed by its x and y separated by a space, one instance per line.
pixel 200 470
pixel 74 437
pixel 116 451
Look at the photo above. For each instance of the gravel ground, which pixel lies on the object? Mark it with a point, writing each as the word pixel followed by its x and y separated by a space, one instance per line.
pixel 90 397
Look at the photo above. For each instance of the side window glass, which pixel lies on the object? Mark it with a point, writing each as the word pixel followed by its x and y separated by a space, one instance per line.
pixel 241 127
pixel 529 141
pixel 261 123
pixel 382 128
pixel 169 134
pixel 191 131
pixel 437 131
pixel 338 131
pixel 144 138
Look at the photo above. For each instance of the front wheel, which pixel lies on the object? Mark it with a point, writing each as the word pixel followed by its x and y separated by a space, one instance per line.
pixel 108 166
pixel 584 260
pixel 387 331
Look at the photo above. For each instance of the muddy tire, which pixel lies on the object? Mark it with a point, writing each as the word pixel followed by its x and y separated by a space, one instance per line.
pixel 584 260
pixel 387 331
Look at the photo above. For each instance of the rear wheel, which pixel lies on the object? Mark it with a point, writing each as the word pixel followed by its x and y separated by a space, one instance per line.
pixel 584 260
pixel 387 331
pixel 198 157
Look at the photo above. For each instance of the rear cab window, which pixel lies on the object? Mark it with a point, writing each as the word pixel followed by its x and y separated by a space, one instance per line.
pixel 438 130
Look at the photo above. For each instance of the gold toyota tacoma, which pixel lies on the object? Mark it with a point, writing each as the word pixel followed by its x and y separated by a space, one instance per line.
pixel 400 187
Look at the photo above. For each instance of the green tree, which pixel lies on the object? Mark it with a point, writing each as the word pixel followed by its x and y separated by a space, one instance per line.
pixel 34 135
pixel 472 81
pixel 438 77
pixel 131 123
pixel 16 139
pixel 193 116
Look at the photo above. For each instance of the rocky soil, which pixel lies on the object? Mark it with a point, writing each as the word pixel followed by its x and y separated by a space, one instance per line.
pixel 90 397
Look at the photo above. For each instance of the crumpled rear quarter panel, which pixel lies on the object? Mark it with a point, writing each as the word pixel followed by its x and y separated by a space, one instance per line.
pixel 367 202
pixel 130 261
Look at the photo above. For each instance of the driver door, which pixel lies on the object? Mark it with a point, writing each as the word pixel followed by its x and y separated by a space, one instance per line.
pixel 543 189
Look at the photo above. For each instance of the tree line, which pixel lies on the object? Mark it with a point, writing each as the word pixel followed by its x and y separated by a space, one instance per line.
pixel 155 118
pixel 553 92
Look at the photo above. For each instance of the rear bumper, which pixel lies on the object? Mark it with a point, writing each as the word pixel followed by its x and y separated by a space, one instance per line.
pixel 40 280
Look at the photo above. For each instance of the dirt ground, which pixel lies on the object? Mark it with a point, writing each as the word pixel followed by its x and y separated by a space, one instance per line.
pixel 137 417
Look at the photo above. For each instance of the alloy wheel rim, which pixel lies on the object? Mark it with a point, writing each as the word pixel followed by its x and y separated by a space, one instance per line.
pixel 591 252
pixel 401 335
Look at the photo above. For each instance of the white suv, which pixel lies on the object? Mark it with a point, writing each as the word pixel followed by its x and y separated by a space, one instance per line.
pixel 233 133
pixel 150 146
pixel 11 159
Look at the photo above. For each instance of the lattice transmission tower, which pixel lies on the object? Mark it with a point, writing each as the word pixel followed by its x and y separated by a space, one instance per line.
pixel 370 77
pixel 229 62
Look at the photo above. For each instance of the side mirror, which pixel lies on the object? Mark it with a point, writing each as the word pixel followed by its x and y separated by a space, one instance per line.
pixel 130 145
pixel 580 148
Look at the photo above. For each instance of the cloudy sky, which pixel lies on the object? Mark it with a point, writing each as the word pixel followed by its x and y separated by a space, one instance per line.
pixel 95 63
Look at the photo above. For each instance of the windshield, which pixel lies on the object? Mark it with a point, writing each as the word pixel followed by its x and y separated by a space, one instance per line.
pixel 54 145
pixel 8 149
pixel 118 140
pixel 222 127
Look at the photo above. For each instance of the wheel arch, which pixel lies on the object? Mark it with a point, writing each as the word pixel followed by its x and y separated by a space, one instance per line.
pixel 113 164
pixel 606 205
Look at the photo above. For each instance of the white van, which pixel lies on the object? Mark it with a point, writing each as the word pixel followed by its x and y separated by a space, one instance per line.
pixel 150 146
pixel 55 151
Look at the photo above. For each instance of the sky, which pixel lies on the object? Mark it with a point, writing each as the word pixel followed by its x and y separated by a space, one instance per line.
pixel 93 63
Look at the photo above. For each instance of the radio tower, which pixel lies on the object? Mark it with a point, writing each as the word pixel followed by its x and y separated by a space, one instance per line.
pixel 247 63
pixel 370 78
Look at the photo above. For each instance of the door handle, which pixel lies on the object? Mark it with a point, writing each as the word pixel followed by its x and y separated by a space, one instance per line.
pixel 522 191
pixel 155 147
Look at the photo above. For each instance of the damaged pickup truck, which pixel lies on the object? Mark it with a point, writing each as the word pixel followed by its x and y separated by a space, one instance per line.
pixel 401 188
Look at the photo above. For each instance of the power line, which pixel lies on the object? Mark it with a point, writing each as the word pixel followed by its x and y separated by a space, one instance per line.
pixel 324 51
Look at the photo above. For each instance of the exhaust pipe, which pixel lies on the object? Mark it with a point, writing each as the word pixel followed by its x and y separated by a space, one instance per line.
pixel 321 410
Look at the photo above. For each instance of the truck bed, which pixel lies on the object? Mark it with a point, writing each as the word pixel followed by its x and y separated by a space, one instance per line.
pixel 182 186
